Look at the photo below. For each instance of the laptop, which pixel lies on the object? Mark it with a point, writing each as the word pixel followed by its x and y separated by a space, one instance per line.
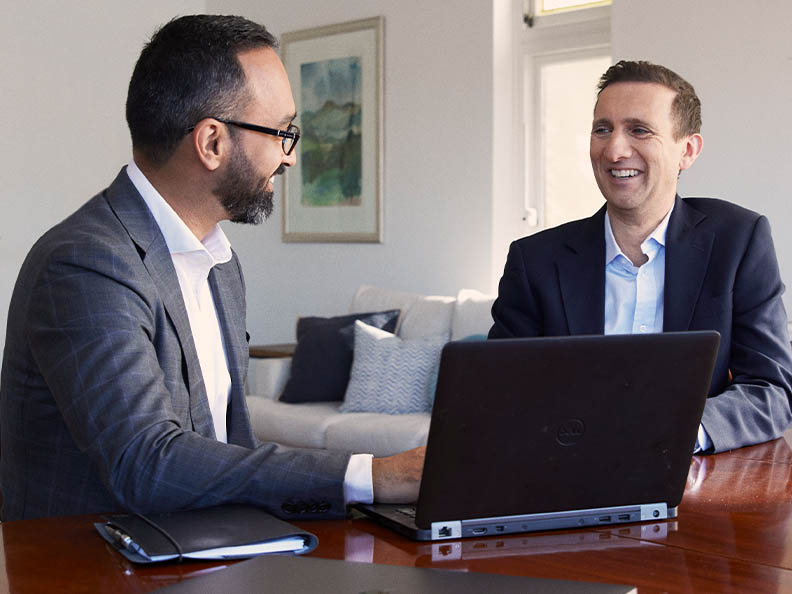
pixel 558 432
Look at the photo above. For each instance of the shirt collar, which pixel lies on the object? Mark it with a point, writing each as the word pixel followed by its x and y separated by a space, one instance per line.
pixel 177 234
pixel 612 249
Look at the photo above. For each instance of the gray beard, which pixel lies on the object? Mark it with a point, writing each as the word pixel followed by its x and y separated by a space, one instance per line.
pixel 243 195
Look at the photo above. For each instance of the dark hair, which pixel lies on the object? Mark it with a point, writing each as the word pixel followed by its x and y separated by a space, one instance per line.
pixel 187 72
pixel 686 108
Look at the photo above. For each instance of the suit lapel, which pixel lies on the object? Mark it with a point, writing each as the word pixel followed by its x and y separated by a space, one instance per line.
pixel 688 252
pixel 581 274
pixel 133 213
pixel 228 293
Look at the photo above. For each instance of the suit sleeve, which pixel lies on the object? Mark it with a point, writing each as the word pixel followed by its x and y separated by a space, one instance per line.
pixel 92 338
pixel 515 312
pixel 755 406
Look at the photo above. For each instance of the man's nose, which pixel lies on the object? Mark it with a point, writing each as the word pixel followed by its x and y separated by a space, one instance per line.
pixel 289 160
pixel 618 147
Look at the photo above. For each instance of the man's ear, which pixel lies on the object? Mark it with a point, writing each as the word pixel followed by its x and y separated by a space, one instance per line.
pixel 693 145
pixel 211 142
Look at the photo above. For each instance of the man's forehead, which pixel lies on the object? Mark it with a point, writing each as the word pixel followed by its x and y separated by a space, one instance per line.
pixel 634 100
pixel 268 84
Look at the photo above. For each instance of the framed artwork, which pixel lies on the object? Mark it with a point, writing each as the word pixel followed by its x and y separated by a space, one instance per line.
pixel 334 191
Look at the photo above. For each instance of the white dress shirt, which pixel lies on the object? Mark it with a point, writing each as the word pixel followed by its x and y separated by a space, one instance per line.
pixel 193 260
pixel 634 294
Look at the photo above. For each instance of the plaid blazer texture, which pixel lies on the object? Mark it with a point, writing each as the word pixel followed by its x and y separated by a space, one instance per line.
pixel 102 401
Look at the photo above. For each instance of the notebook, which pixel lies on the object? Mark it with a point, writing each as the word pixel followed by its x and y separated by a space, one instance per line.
pixel 229 531
pixel 558 432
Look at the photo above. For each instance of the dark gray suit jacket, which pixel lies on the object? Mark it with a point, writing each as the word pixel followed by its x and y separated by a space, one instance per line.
pixel 102 401
pixel 721 273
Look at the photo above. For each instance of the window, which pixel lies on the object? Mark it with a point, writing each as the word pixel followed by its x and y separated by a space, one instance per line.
pixel 562 62
pixel 561 12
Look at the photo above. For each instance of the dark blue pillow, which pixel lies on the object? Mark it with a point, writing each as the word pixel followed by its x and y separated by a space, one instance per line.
pixel 323 356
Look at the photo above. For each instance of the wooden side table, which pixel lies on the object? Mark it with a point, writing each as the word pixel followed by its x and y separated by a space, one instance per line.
pixel 272 351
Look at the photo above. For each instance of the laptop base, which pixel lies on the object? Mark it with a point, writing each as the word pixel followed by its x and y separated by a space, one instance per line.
pixel 402 519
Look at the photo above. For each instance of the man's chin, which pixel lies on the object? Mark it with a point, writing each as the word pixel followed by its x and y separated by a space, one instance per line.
pixel 254 214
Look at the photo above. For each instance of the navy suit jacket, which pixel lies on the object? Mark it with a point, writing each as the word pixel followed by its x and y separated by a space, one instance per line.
pixel 102 400
pixel 721 273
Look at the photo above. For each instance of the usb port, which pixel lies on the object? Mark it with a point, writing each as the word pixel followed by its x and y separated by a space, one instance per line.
pixel 605 519
pixel 500 528
pixel 478 531
pixel 624 517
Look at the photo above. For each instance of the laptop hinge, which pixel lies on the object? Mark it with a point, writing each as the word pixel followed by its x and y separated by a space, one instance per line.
pixel 441 530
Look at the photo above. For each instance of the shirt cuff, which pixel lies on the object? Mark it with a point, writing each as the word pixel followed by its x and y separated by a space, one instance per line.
pixel 703 441
pixel 358 483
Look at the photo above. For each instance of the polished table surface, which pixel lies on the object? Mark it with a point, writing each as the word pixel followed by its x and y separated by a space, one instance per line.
pixel 733 534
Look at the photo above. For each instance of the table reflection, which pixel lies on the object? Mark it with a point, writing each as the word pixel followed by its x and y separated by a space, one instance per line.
pixel 365 547
pixel 751 478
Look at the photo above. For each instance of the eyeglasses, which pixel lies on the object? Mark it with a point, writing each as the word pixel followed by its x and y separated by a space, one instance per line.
pixel 290 136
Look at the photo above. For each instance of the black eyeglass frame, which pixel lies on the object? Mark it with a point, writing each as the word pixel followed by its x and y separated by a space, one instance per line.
pixel 292 133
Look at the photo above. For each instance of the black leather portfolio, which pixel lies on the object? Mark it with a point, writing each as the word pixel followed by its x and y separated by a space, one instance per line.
pixel 232 531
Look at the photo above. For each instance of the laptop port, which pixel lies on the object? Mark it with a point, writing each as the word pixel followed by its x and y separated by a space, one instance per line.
pixel 479 531
pixel 624 517
pixel 500 528
pixel 604 518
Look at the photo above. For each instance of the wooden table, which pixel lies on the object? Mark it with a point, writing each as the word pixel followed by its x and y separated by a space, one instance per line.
pixel 733 534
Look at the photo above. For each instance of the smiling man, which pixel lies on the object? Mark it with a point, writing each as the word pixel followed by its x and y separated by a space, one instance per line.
pixel 650 261
pixel 126 352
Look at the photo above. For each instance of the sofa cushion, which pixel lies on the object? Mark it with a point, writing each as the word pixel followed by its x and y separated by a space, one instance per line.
pixel 390 374
pixel 323 355
pixel 421 315
pixel 472 314
pixel 303 425
pixel 381 435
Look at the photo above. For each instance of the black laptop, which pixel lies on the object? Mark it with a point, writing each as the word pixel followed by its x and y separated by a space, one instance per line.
pixel 558 432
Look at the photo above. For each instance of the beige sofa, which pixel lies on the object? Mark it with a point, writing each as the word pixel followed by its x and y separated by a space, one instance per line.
pixel 320 424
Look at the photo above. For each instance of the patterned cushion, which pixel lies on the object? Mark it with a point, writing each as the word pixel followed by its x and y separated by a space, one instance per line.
pixel 390 374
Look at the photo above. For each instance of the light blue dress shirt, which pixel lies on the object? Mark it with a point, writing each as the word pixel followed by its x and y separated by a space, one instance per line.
pixel 634 294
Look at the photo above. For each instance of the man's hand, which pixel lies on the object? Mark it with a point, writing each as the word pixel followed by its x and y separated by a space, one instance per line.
pixel 396 479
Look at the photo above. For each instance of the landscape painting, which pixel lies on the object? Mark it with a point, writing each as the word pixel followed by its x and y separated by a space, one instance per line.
pixel 333 190
pixel 330 146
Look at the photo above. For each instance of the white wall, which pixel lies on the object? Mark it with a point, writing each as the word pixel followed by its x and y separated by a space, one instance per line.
pixel 738 56
pixel 64 70
pixel 438 167
pixel 65 67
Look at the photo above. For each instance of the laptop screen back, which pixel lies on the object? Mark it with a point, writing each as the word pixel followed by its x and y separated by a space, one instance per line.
pixel 551 424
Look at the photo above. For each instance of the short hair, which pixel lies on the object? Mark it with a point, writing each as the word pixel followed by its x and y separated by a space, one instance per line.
pixel 686 107
pixel 189 71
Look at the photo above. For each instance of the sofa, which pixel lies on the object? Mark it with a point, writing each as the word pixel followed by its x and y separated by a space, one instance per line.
pixel 369 420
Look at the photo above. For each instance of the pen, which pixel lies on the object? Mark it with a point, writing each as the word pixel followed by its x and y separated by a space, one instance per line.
pixel 123 540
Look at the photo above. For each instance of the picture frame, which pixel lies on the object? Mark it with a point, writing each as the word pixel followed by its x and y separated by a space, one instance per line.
pixel 333 193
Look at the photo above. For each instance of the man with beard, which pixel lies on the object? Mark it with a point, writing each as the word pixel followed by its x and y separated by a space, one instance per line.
pixel 126 351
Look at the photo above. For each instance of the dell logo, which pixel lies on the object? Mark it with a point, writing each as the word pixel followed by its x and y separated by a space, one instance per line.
pixel 570 431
